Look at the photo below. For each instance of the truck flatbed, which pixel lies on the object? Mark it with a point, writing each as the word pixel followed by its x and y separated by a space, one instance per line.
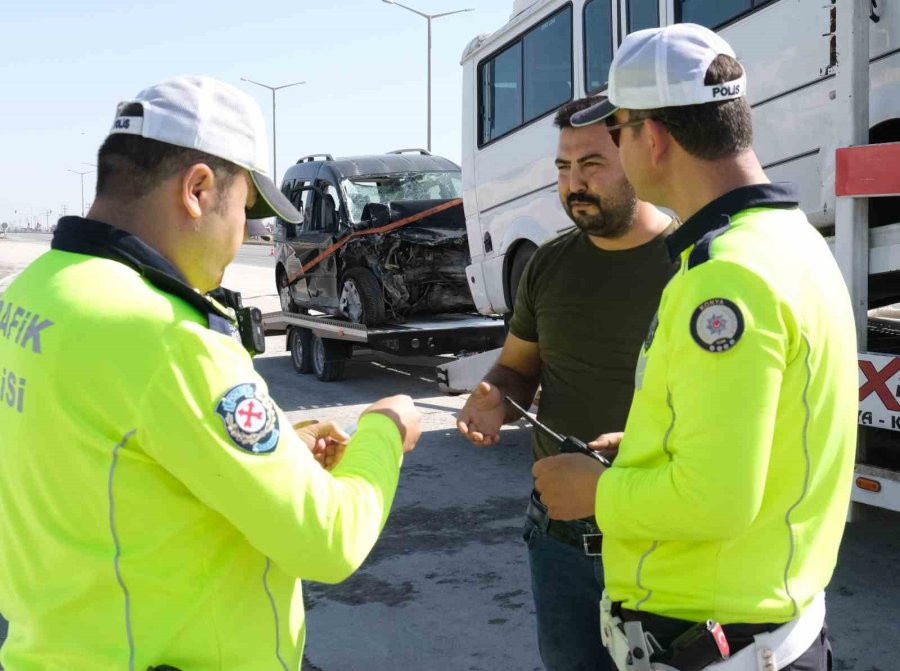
pixel 321 344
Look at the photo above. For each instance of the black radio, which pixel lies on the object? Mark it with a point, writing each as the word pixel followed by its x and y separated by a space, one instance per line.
pixel 249 320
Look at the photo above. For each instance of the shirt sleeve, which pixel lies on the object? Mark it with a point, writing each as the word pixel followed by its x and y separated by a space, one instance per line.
pixel 523 324
pixel 314 524
pixel 728 343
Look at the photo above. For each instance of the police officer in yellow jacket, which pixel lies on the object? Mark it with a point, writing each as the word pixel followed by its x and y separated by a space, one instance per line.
pixel 156 507
pixel 726 502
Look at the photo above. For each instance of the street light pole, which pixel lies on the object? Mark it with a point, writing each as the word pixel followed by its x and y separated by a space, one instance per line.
pixel 274 136
pixel 81 174
pixel 428 18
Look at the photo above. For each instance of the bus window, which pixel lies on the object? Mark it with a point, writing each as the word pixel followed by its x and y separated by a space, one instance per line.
pixel 598 43
pixel 530 77
pixel 714 13
pixel 501 93
pixel 642 14
pixel 548 65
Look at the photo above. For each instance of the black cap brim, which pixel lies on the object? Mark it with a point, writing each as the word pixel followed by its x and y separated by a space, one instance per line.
pixel 270 202
pixel 593 114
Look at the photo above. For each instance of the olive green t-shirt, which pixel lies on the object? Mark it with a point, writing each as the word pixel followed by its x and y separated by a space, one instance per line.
pixel 589 310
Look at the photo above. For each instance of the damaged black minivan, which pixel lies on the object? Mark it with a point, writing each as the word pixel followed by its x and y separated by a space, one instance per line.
pixel 383 237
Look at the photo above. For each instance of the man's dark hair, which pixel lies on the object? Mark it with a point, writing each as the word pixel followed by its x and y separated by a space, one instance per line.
pixel 563 118
pixel 710 131
pixel 130 166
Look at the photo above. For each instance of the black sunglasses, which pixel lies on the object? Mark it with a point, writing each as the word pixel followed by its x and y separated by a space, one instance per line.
pixel 616 128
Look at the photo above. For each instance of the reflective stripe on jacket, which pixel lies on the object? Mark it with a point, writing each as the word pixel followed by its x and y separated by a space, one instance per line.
pixel 156 507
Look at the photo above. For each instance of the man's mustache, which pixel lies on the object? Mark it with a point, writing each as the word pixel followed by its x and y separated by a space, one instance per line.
pixel 581 198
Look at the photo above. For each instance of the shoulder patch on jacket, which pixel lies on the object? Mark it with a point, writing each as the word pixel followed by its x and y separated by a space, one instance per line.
pixel 250 418
pixel 717 325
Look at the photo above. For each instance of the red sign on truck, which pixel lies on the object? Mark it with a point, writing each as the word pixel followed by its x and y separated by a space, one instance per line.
pixel 879 391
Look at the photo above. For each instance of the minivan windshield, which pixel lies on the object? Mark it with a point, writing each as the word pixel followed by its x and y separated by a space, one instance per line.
pixel 399 186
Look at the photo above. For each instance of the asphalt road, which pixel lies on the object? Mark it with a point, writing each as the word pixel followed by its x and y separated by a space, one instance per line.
pixel 447 586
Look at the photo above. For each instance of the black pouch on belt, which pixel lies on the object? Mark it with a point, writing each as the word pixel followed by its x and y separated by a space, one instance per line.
pixel 701 645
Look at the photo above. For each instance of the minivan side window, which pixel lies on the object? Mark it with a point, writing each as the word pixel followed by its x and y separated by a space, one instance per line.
pixel 306 197
pixel 295 194
pixel 598 44
pixel 284 229
pixel 329 203
pixel 527 78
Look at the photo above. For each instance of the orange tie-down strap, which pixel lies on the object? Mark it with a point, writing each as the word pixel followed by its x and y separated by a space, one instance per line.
pixel 372 231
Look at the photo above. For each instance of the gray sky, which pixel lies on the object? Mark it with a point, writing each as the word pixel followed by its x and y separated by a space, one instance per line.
pixel 64 65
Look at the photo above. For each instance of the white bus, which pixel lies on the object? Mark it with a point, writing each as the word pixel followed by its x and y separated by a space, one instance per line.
pixel 553 51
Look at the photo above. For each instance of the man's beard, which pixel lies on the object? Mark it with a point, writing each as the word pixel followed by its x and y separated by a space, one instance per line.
pixel 614 216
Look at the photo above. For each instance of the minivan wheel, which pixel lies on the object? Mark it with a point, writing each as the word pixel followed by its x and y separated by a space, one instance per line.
pixel 284 292
pixel 361 299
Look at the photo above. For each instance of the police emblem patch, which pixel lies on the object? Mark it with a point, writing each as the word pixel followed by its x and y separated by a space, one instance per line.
pixel 250 419
pixel 717 325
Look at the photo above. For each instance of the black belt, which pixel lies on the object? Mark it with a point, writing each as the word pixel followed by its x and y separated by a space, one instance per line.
pixel 667 629
pixel 577 533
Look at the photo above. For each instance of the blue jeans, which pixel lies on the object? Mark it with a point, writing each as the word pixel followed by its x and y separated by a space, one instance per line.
pixel 567 585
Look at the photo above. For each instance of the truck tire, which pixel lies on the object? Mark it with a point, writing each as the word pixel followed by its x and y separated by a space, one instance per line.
pixel 361 299
pixel 328 358
pixel 299 345
pixel 284 294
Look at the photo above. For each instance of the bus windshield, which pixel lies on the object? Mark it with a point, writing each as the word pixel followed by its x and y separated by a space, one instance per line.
pixel 399 187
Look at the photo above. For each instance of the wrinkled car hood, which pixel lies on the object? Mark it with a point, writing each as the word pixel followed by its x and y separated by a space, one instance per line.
pixel 421 233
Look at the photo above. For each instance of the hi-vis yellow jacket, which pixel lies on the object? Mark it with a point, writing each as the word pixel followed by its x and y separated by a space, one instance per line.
pixel 729 494
pixel 156 507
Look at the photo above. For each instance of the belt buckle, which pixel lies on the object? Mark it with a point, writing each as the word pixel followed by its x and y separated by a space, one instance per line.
pixel 586 541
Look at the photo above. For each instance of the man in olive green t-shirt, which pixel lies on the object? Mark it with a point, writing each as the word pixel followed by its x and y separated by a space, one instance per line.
pixel 584 305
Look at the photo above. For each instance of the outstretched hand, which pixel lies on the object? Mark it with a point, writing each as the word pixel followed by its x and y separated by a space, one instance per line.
pixel 482 416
